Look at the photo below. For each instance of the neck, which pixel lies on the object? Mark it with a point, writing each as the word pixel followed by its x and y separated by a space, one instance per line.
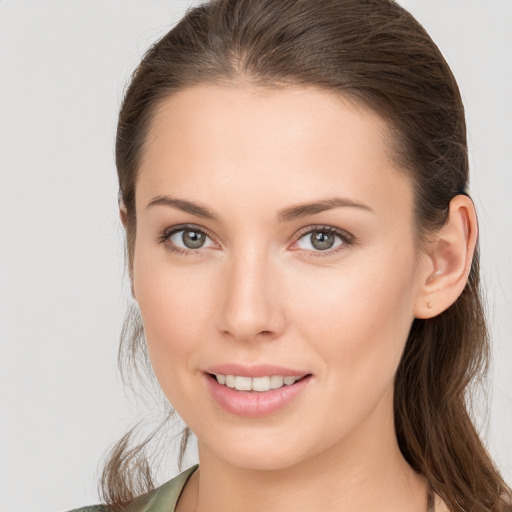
pixel 363 472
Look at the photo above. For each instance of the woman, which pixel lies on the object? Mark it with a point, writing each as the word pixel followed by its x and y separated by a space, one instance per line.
pixel 304 253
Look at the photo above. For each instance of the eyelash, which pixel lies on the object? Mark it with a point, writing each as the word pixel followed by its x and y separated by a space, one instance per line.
pixel 346 238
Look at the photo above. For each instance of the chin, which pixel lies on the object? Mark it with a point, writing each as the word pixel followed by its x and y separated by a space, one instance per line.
pixel 260 459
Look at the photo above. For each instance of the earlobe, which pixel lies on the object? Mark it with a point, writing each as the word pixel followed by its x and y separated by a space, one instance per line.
pixel 123 212
pixel 123 215
pixel 447 261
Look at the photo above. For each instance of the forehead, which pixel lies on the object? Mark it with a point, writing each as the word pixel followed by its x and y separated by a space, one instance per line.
pixel 293 142
pixel 290 114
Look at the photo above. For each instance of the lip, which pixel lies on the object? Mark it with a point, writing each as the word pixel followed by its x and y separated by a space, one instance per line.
pixel 258 370
pixel 255 404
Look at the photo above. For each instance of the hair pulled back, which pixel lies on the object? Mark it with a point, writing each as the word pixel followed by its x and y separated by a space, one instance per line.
pixel 375 53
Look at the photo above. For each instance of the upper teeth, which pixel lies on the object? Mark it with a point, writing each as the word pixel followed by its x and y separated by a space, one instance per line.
pixel 255 384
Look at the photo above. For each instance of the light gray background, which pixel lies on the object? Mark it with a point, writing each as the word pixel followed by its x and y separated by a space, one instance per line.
pixel 63 66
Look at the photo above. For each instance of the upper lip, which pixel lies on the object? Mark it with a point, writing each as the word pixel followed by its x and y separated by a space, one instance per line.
pixel 256 370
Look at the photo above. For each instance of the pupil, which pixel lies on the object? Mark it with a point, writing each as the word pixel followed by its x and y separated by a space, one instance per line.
pixel 322 240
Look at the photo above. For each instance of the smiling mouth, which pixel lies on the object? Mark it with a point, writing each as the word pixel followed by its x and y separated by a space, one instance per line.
pixel 257 384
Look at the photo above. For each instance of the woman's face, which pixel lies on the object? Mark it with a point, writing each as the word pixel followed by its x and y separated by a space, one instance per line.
pixel 234 276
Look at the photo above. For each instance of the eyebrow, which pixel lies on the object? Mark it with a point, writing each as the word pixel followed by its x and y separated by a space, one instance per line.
pixel 286 215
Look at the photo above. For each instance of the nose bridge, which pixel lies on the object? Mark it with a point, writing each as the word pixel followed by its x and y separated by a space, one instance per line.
pixel 250 303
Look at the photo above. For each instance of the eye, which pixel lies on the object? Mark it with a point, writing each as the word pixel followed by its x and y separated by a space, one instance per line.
pixel 184 239
pixel 320 241
pixel 324 239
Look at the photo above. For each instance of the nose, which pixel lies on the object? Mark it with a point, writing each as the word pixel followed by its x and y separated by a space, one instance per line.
pixel 251 306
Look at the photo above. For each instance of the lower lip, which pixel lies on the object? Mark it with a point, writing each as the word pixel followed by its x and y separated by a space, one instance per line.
pixel 255 404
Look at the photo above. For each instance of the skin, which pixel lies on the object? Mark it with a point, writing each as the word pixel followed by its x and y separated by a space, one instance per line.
pixel 258 291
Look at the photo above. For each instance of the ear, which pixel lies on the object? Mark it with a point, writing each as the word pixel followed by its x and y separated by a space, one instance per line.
pixel 123 215
pixel 447 260
pixel 123 212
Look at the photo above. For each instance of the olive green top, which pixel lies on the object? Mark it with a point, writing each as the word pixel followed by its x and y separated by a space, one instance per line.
pixel 161 499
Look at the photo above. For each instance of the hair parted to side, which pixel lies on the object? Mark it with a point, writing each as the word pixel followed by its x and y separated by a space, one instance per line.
pixel 375 53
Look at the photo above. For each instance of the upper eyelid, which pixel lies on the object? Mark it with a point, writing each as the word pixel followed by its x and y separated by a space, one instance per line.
pixel 166 233
pixel 324 227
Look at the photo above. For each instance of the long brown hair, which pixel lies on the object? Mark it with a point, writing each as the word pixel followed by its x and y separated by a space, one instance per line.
pixel 375 53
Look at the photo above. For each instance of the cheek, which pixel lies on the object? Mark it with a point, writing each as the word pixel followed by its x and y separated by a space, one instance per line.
pixel 360 319
pixel 174 314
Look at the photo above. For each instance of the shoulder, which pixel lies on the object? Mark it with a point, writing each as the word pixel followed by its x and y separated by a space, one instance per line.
pixel 164 497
